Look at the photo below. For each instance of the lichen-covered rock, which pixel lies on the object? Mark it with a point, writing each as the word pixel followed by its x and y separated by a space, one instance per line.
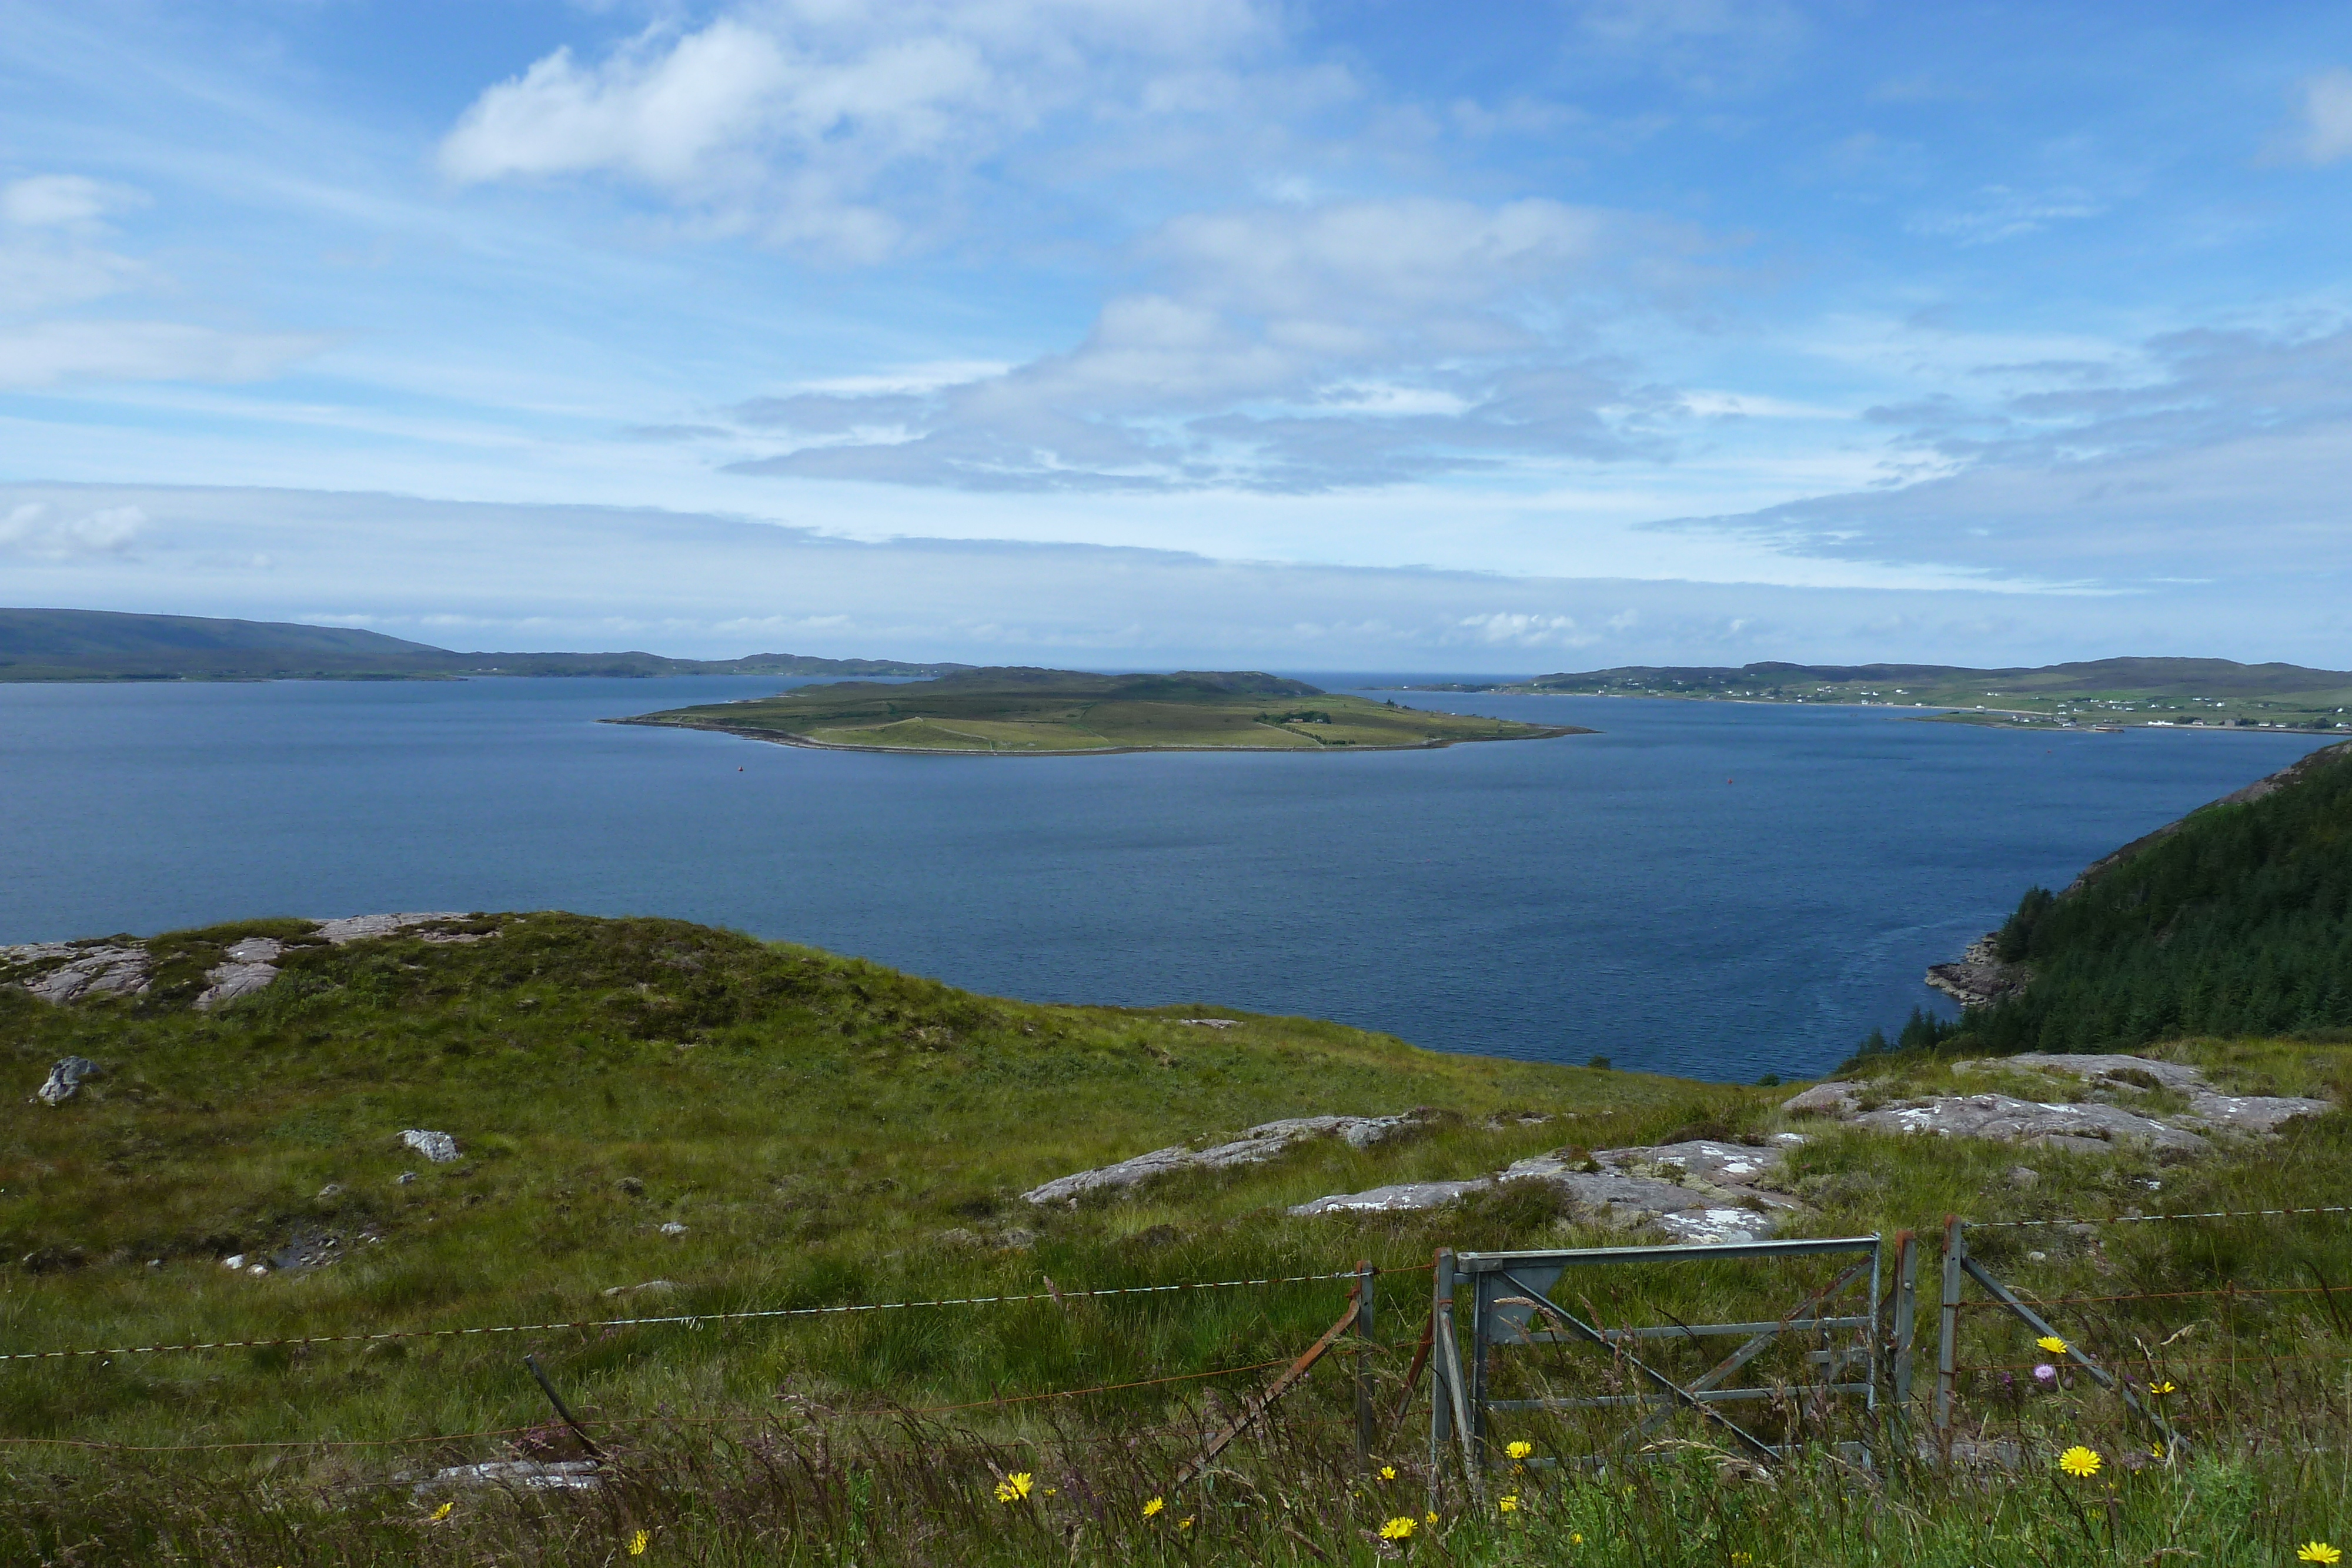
pixel 251 965
pixel 71 972
pixel 2084 1128
pixel 363 928
pixel 1399 1198
pixel 1696 1192
pixel 66 1076
pixel 2125 1110
pixel 1255 1146
pixel 438 1147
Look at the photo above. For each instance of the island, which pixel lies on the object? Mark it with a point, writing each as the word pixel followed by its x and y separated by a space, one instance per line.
pixel 1022 712
pixel 2099 693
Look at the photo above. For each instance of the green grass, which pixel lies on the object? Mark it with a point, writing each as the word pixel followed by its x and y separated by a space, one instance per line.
pixel 831 1131
pixel 1044 712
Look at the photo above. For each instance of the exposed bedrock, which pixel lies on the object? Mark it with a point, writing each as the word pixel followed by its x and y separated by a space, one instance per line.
pixel 64 972
pixel 1697 1191
pixel 1255 1146
pixel 2124 1107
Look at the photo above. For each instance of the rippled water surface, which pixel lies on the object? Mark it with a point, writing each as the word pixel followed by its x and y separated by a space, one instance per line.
pixel 1705 888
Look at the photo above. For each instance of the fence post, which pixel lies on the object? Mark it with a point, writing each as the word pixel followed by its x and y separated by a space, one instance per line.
pixel 1366 1432
pixel 1947 1338
pixel 1906 1316
pixel 1441 1398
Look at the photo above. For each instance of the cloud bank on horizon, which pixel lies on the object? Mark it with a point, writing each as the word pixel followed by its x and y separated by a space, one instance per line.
pixel 1319 334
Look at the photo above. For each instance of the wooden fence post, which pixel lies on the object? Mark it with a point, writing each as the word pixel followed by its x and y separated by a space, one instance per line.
pixel 1367 1428
pixel 1947 1338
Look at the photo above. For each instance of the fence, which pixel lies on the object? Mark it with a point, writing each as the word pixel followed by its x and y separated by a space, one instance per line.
pixel 1835 1370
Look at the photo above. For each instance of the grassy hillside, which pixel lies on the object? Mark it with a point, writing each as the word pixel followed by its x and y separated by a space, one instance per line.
pixel 1030 711
pixel 2206 691
pixel 107 646
pixel 828 1131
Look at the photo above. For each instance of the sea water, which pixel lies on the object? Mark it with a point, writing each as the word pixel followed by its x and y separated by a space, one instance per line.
pixel 1714 889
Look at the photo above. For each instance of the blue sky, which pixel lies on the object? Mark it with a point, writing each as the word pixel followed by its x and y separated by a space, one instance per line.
pixel 1334 336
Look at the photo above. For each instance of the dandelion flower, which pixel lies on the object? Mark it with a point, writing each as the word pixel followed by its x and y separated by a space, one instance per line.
pixel 1400 1528
pixel 639 1541
pixel 1432 1519
pixel 1388 1472
pixel 2319 1551
pixel 442 1513
pixel 1154 1505
pixel 1508 1502
pixel 1186 1522
pixel 1520 1450
pixel 2162 1389
pixel 1015 1487
pixel 2052 1344
pixel 2080 1462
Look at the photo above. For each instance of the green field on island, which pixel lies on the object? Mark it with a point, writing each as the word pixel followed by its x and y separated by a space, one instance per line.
pixel 1041 712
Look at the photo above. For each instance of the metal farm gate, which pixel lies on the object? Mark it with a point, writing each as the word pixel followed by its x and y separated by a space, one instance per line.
pixel 1848 1336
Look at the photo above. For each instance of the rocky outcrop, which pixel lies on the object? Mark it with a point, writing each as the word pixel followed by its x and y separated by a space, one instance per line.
pixel 65 1078
pixel 1695 1192
pixel 1255 1146
pixel 250 964
pixel 64 972
pixel 438 1147
pixel 76 971
pixel 2122 1108
pixel 1980 978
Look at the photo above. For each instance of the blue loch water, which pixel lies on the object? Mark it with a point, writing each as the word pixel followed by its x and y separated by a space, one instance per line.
pixel 1702 888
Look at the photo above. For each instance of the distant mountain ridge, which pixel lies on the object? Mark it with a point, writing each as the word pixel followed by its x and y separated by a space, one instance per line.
pixel 116 645
pixel 2198 677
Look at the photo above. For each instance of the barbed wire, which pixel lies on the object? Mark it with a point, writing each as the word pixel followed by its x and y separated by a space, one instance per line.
pixel 603 1423
pixel 1056 1296
pixel 2152 1218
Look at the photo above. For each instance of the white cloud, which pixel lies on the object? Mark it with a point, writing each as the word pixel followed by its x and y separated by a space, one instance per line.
pixel 1285 349
pixel 44 531
pixel 1999 212
pixel 47 353
pixel 52 201
pixel 789 117
pixel 1519 630
pixel 2327 131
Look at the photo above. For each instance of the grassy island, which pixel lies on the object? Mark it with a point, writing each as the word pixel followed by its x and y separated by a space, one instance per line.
pixel 1031 711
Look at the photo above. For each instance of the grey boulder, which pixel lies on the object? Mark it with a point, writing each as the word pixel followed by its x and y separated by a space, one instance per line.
pixel 1255 1146
pixel 65 1078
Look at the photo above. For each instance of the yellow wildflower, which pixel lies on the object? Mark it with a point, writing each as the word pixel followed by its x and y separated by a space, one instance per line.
pixel 1508 1502
pixel 1742 1559
pixel 1575 1538
pixel 1186 1522
pixel 639 1541
pixel 1015 1487
pixel 2162 1389
pixel 442 1513
pixel 2080 1462
pixel 1154 1505
pixel 1388 1472
pixel 1433 1518
pixel 2320 1552
pixel 2052 1344
pixel 1519 1451
pixel 1397 1529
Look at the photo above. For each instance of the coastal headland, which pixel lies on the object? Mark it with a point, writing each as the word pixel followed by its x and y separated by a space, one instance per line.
pixel 2101 694
pixel 1022 712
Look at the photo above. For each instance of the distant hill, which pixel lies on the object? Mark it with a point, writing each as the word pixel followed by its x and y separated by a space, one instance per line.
pixel 2205 692
pixel 110 645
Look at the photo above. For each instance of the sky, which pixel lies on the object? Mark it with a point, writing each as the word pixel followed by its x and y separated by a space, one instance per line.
pixel 1503 337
